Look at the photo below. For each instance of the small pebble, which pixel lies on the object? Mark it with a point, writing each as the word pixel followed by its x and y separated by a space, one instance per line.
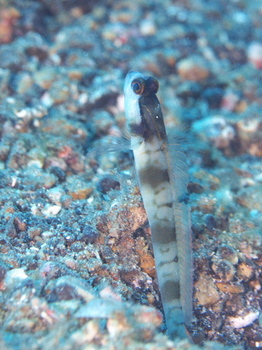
pixel 254 53
pixel 193 68
pixel 234 288
pixel 108 293
pixel 228 253
pixel 53 269
pixel 206 291
pixel 249 197
pixel 89 234
pixel 34 232
pixel 245 270
pixel 244 319
pixel 14 277
pixel 86 334
pixel 55 194
pixel 107 184
pixel 223 269
pixel 147 27
pixel 100 308
pixel 217 130
pixel 68 288
pixel 51 210
pixel 146 260
pixel 77 188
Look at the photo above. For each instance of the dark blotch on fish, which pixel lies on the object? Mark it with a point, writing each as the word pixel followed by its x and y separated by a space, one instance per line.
pixel 171 288
pixel 153 176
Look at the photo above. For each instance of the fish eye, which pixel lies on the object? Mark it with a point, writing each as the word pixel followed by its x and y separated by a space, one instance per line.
pixel 153 85
pixel 138 87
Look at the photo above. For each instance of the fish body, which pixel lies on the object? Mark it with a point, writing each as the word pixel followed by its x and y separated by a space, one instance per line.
pixel 162 176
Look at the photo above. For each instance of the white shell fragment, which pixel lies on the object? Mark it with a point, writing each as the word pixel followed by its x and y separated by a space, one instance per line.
pixel 244 320
pixel 99 308
pixel 51 210
pixel 14 276
pixel 38 111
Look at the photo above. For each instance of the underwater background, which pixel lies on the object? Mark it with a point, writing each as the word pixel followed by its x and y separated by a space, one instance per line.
pixel 76 261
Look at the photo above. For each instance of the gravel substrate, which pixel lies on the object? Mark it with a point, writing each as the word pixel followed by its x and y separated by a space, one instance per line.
pixel 76 261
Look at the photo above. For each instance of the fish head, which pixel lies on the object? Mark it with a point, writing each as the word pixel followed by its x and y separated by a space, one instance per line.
pixel 142 108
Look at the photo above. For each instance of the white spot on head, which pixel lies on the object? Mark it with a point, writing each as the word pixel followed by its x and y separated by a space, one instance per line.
pixel 131 99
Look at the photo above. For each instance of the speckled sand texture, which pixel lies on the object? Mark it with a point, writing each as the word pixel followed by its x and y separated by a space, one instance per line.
pixel 76 263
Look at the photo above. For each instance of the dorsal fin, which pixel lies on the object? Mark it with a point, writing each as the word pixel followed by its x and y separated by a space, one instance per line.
pixel 184 238
pixel 178 168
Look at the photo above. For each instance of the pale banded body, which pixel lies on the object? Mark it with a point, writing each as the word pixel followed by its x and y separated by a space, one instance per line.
pixel 162 176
